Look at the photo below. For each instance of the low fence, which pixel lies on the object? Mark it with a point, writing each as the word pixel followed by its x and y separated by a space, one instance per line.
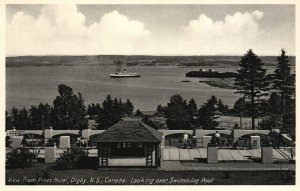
pixel 289 145
pixel 227 143
pixel 180 143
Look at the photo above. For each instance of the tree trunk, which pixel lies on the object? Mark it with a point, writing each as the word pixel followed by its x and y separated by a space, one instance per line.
pixel 252 111
pixel 283 112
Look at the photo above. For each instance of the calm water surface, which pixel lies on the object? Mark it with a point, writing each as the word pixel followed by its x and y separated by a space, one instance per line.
pixel 27 86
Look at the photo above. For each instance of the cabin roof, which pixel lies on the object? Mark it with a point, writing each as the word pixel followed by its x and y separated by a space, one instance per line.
pixel 129 131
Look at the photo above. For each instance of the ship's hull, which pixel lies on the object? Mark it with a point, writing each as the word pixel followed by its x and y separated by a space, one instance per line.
pixel 125 76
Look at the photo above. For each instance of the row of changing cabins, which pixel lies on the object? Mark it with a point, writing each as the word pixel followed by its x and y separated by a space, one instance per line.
pixel 133 143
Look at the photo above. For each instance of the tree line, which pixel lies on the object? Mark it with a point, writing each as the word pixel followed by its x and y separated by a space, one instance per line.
pixel 69 112
pixel 181 114
pixel 112 111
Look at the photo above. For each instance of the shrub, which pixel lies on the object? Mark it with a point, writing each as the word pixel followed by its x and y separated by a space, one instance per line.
pixel 270 123
pixel 8 141
pixel 70 159
pixel 21 158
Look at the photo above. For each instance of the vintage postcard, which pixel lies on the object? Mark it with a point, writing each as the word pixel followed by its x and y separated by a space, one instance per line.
pixel 149 94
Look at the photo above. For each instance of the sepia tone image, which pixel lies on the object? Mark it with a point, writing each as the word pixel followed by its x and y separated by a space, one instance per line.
pixel 156 94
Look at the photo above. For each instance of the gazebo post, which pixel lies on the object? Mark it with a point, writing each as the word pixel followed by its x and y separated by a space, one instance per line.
pixel 152 152
pixel 103 154
pixel 98 147
pixel 157 155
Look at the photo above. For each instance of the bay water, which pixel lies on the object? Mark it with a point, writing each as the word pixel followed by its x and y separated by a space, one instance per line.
pixel 32 85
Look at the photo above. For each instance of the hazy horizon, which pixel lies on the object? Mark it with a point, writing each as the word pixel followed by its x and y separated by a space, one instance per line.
pixel 175 55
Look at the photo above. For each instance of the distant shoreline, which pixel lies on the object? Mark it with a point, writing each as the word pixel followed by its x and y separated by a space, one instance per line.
pixel 117 60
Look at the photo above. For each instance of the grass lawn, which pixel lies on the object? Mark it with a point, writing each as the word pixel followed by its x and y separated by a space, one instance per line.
pixel 44 174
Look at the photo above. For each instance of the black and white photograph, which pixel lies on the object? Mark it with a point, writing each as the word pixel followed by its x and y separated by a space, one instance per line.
pixel 149 94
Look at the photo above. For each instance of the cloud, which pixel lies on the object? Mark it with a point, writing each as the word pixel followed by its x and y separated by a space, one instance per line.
pixel 235 34
pixel 115 33
pixel 61 29
pixel 257 14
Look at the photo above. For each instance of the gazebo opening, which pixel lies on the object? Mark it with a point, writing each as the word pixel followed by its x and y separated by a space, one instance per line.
pixel 127 150
pixel 129 143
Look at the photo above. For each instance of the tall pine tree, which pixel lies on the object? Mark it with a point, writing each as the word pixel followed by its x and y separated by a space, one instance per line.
pixel 284 85
pixel 106 116
pixel 251 82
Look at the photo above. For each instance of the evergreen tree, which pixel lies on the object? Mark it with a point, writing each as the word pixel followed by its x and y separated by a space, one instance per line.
pixel 192 107
pixel 290 126
pixel 69 111
pixel 8 121
pixel 221 107
pixel 284 85
pixel 271 122
pixel 241 107
pixel 97 108
pixel 80 120
pixel 161 109
pixel 121 106
pixel 110 113
pixel 129 108
pixel 177 114
pixel 24 120
pixel 274 104
pixel 40 116
pixel 91 110
pixel 104 118
pixel 118 109
pixel 192 111
pixel 107 103
pixel 207 114
pixel 138 113
pixel 15 117
pixel 251 82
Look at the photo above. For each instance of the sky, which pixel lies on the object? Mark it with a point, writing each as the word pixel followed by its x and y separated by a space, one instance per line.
pixel 149 29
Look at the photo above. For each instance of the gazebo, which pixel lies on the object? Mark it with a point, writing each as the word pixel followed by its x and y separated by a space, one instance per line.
pixel 129 143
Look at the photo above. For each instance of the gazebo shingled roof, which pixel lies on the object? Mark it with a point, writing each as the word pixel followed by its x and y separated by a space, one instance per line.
pixel 129 131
